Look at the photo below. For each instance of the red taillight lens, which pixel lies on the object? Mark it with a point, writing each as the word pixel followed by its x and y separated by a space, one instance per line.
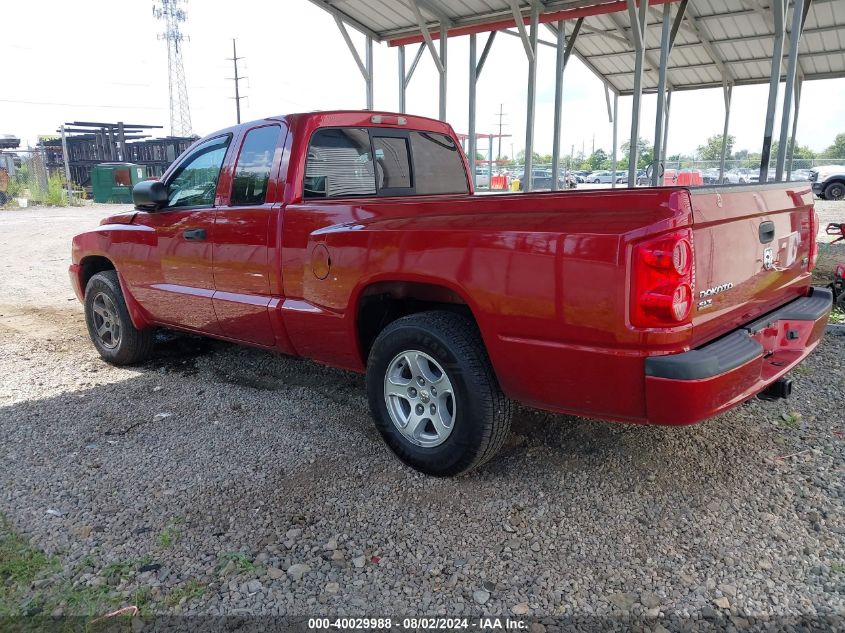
pixel 682 256
pixel 814 240
pixel 662 281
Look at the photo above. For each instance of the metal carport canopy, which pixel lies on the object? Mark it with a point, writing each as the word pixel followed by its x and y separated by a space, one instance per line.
pixel 715 34
pixel 702 44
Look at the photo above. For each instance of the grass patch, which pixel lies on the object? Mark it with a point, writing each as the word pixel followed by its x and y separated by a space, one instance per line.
pixel 801 370
pixel 837 568
pixel 190 590
pixel 124 568
pixel 790 420
pixel 170 533
pixel 837 315
pixel 242 561
pixel 20 563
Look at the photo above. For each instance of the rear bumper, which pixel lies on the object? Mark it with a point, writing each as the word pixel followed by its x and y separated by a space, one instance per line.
pixel 692 386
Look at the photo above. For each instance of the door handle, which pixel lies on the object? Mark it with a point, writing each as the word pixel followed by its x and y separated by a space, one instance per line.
pixel 194 235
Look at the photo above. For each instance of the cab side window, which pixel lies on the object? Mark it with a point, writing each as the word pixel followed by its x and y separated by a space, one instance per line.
pixel 252 172
pixel 194 183
pixel 339 164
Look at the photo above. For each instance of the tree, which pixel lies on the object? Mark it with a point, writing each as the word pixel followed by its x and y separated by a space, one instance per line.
pixel 712 149
pixel 837 150
pixel 597 160
pixel 801 151
pixel 645 152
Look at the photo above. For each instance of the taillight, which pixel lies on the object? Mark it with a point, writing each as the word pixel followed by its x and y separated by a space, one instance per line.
pixel 814 240
pixel 663 280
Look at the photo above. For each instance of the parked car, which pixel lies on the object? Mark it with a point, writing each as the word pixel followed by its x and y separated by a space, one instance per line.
pixel 629 305
pixel 828 181
pixel 542 179
pixel 482 178
pixel 733 178
pixel 800 175
pixel 601 176
pixel 710 176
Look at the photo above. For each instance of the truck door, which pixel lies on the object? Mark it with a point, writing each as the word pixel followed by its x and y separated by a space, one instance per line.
pixel 244 234
pixel 175 281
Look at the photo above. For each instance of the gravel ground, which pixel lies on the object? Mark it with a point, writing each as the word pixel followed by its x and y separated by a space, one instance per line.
pixel 222 479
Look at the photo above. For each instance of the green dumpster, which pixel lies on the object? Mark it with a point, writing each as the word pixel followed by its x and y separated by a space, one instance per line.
pixel 113 182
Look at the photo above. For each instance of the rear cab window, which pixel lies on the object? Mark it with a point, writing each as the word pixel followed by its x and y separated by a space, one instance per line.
pixel 375 161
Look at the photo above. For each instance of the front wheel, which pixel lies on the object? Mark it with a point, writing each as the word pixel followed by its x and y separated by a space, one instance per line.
pixel 834 191
pixel 433 394
pixel 109 326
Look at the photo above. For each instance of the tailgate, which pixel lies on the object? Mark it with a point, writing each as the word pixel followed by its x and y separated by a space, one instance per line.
pixel 752 248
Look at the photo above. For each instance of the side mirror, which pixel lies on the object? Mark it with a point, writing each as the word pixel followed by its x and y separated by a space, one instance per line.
pixel 149 195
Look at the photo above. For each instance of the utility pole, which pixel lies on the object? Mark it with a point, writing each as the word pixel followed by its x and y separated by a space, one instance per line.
pixel 234 59
pixel 501 115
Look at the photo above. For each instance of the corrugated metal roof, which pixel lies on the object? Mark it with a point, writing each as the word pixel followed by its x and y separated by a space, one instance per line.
pixel 718 39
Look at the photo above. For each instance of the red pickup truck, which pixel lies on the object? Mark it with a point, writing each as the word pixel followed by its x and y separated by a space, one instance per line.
pixel 354 239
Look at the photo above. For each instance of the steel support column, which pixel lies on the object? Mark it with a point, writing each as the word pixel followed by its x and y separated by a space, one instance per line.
pixel 728 92
pixel 798 86
pixel 444 40
pixel 531 53
pixel 560 51
pixel 474 73
pixel 401 53
pixel 439 59
pixel 661 95
pixel 366 66
pixel 473 81
pixel 666 121
pixel 615 139
pixel 788 91
pixel 369 77
pixel 637 16
pixel 779 11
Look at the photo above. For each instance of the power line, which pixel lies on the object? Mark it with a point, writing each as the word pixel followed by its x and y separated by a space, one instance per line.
pixel 501 114
pixel 80 105
pixel 234 59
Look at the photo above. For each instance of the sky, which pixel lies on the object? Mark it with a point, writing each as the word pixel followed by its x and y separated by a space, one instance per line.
pixel 113 68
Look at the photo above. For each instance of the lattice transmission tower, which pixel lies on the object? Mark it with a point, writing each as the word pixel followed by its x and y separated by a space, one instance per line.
pixel 180 112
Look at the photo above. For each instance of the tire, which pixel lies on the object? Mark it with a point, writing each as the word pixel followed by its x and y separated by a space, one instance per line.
pixel 474 415
pixel 109 326
pixel 835 191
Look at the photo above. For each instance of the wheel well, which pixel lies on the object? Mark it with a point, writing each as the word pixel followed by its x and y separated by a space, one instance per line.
pixel 384 302
pixel 92 265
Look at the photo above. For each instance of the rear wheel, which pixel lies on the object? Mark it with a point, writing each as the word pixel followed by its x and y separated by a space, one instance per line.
pixel 109 325
pixel 834 191
pixel 433 394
